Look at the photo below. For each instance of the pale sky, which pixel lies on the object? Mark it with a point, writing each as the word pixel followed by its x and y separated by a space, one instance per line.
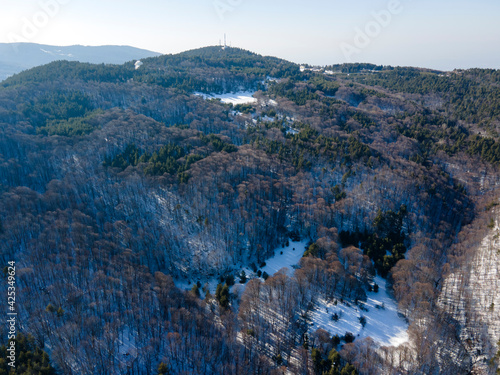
pixel 435 34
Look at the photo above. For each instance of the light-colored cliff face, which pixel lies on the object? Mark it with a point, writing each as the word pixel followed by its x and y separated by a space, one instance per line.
pixel 472 296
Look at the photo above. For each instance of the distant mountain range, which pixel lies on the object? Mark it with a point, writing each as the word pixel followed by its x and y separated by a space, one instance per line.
pixel 16 57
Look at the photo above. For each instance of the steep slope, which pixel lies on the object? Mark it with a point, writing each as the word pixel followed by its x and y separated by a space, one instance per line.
pixel 471 295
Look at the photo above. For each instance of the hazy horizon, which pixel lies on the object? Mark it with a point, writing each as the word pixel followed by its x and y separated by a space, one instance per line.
pixel 442 36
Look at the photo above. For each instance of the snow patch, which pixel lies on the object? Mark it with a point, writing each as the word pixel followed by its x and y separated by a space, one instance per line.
pixel 383 323
pixel 241 97
pixel 287 257
pixel 267 119
pixel 56 53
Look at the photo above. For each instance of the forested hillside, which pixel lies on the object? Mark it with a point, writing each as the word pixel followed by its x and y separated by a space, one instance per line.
pixel 117 184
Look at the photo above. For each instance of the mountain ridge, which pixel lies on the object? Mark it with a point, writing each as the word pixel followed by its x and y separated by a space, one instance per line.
pixel 16 57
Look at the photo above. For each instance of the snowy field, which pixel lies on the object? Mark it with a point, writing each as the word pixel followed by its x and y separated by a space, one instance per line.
pixel 242 97
pixel 286 257
pixel 383 324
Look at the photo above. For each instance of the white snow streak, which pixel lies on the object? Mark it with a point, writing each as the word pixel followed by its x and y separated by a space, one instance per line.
pixel 242 97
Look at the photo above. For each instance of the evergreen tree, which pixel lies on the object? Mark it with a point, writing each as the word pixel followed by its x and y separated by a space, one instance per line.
pixel 30 359
pixel 222 295
pixel 163 369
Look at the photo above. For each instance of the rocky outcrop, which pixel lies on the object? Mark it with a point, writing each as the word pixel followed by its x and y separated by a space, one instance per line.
pixel 472 296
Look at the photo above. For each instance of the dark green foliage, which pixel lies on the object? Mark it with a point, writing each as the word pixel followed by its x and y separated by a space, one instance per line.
pixel 317 360
pixel 349 370
pixel 164 160
pixel 217 70
pixel 59 105
pixel 218 144
pixel 413 81
pixel 278 359
pixel 75 126
pixel 222 295
pixel 236 60
pixel 363 119
pixel 72 70
pixel 164 369
pixel 333 364
pixel 129 156
pixel 329 87
pixel 312 250
pixel 69 128
pixel 243 277
pixel 356 67
pixel 30 359
pixel 298 95
pixel 348 337
pixel 491 224
pixel 356 150
pixel 228 279
pixel 470 95
pixel 335 341
pixel 309 145
pixel 195 290
pixel 452 139
pixel 244 108
pixel 487 148
pixel 388 237
pixel 338 193
pixel 50 308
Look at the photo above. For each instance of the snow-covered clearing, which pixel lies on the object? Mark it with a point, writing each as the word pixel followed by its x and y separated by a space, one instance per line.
pixel 383 324
pixel 286 257
pixel 242 97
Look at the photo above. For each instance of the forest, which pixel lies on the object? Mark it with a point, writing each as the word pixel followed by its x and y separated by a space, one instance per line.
pixel 118 184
